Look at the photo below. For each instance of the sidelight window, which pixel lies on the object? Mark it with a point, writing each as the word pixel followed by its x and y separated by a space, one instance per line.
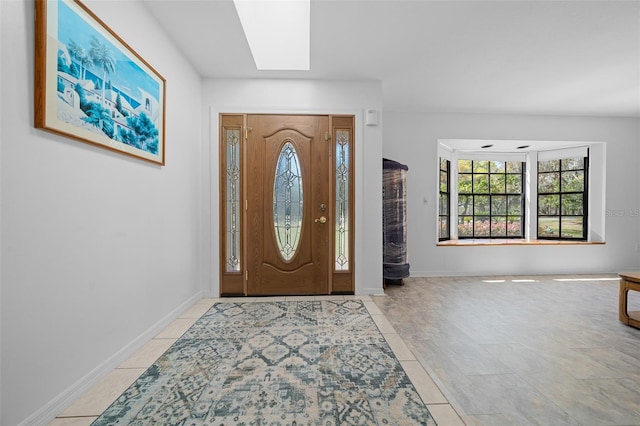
pixel 232 187
pixel 342 173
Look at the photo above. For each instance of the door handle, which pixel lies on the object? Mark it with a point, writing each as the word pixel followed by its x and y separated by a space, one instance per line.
pixel 321 219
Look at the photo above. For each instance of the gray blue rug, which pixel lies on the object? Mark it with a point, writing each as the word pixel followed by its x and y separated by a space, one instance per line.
pixel 275 363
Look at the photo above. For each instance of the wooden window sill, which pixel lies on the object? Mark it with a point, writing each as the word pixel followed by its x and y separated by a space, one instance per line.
pixel 512 242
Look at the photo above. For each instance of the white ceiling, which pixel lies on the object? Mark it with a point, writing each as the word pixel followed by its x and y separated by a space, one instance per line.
pixel 527 57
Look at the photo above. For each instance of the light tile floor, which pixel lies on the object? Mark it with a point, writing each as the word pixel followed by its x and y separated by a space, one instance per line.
pixel 534 350
pixel 88 407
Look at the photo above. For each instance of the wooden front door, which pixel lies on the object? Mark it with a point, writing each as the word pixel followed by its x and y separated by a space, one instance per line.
pixel 288 198
pixel 286 204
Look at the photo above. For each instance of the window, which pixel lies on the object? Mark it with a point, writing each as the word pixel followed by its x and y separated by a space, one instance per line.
pixel 342 194
pixel 490 199
pixel 527 190
pixel 562 198
pixel 443 216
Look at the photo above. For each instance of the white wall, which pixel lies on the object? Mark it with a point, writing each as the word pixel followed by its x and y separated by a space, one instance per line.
pixel 411 138
pixel 98 249
pixel 305 96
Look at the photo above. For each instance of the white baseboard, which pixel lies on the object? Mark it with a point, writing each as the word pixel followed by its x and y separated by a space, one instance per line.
pixel 430 274
pixel 58 404
pixel 371 291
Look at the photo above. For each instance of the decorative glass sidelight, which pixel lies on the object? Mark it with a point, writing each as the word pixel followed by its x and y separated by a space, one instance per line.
pixel 342 200
pixel 233 200
pixel 287 201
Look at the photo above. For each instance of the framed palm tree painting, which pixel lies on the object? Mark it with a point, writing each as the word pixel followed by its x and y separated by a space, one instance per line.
pixel 91 86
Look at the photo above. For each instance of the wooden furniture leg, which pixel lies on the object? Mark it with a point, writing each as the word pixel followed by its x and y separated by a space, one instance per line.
pixel 622 308
pixel 628 281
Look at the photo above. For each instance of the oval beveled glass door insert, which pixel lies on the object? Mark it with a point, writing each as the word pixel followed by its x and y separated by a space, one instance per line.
pixel 287 201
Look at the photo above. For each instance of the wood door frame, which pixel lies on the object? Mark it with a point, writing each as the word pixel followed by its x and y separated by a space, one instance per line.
pixel 234 283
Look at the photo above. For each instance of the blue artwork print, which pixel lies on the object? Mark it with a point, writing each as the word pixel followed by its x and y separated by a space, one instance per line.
pixel 101 89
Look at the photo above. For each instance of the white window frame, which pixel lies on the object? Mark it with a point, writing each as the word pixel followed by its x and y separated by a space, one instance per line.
pixel 544 150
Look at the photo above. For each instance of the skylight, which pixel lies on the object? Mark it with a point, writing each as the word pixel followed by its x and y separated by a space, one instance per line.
pixel 278 32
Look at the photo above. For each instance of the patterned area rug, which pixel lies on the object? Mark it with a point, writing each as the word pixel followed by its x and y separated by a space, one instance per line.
pixel 275 363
